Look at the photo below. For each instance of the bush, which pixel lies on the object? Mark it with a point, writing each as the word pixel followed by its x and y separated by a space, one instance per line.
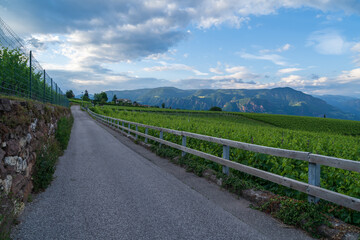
pixel 45 165
pixel 63 131
pixel 215 109
pixel 49 153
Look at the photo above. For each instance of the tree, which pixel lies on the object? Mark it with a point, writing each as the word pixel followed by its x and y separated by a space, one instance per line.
pixel 163 105
pixel 85 97
pixel 70 94
pixel 114 98
pixel 104 96
pixel 215 109
pixel 100 97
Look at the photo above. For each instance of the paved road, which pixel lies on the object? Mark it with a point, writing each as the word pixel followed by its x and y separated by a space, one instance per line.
pixel 104 189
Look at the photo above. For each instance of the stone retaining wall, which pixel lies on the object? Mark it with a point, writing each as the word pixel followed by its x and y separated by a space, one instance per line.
pixel 24 127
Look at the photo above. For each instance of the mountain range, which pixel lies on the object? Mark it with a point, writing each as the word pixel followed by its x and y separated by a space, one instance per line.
pixel 275 101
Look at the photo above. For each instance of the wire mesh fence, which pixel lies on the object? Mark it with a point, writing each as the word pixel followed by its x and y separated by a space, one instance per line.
pixel 21 74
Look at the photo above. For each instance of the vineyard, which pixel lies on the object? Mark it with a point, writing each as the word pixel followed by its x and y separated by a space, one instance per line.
pixel 252 128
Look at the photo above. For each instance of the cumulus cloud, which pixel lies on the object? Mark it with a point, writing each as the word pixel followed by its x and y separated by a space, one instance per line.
pixel 174 66
pixel 288 70
pixel 92 33
pixel 328 42
pixel 137 28
pixel 237 73
pixel 352 76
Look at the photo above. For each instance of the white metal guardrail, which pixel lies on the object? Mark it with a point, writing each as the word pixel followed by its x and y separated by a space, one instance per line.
pixel 312 188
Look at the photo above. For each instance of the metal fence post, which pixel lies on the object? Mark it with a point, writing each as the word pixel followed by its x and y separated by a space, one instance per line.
pixel 44 98
pixel 146 132
pixel 314 179
pixel 56 93
pixel 30 74
pixel 51 92
pixel 226 155
pixel 184 144
pixel 161 136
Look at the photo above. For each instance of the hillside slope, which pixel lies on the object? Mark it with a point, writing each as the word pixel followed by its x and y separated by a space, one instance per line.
pixel 276 101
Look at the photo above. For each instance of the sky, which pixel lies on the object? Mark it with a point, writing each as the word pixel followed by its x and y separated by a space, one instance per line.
pixel 309 45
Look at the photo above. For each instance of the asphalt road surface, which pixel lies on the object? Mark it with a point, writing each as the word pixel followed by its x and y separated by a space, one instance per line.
pixel 107 187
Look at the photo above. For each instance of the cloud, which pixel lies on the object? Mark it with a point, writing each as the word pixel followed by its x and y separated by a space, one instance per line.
pixel 328 42
pixel 174 66
pixel 237 73
pixel 283 48
pixel 352 76
pixel 356 50
pixel 288 70
pixel 275 58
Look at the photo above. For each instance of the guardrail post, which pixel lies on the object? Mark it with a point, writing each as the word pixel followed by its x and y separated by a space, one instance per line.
pixel 184 144
pixel 136 136
pixel 161 136
pixel 129 128
pixel 226 155
pixel 146 132
pixel 314 179
pixel 123 127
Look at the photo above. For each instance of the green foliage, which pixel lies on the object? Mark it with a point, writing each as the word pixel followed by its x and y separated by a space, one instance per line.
pixel 100 97
pixel 297 213
pixel 311 124
pixel 15 79
pixel 240 127
pixel 114 99
pixel 70 94
pixel 49 153
pixel 85 97
pixel 45 165
pixel 215 109
pixel 63 131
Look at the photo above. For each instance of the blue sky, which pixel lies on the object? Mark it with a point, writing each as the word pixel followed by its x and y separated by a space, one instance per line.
pixel 310 45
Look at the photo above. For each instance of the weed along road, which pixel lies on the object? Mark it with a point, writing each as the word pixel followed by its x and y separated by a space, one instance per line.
pixel 107 187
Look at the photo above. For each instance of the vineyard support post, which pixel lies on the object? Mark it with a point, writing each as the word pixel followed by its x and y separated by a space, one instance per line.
pixel 146 132
pixel 184 144
pixel 226 155
pixel 314 179
pixel 137 129
pixel 161 136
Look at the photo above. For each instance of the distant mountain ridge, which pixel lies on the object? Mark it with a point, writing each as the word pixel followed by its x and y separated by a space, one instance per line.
pixel 349 105
pixel 275 101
